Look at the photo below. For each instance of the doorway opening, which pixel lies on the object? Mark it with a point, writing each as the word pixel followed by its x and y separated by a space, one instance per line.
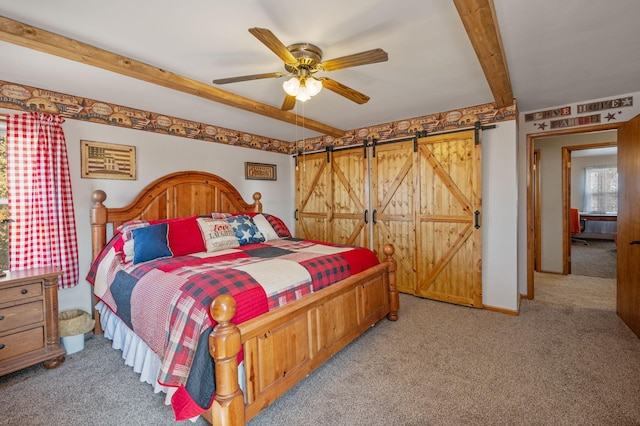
pixel 589 171
pixel 535 206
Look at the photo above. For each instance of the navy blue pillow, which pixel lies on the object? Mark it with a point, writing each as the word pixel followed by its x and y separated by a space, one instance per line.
pixel 245 229
pixel 150 243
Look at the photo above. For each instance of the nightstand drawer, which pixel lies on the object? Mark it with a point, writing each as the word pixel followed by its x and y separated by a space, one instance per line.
pixel 19 315
pixel 21 343
pixel 20 292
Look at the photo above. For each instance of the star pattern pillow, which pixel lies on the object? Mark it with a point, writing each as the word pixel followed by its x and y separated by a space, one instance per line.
pixel 245 229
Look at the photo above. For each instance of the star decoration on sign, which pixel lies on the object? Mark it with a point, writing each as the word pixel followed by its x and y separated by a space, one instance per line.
pixel 610 116
pixel 542 125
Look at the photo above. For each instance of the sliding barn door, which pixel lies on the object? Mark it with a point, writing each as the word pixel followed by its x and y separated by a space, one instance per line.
pixel 313 197
pixel 350 198
pixel 449 239
pixel 628 292
pixel 392 183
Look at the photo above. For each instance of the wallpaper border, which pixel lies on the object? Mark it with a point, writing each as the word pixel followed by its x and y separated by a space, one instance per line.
pixel 27 98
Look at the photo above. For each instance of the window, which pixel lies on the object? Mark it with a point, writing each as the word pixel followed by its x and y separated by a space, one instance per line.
pixel 601 189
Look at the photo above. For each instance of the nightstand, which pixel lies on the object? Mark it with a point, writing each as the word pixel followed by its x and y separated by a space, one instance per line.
pixel 29 319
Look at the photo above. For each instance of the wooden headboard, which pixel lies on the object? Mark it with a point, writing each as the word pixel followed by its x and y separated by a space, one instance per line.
pixel 175 195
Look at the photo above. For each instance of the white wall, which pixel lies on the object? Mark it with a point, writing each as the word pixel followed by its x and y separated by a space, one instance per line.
pixel 158 155
pixel 499 217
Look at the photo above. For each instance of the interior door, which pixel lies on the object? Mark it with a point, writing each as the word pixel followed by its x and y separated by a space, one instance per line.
pixel 393 215
pixel 350 197
pixel 449 238
pixel 628 293
pixel 313 197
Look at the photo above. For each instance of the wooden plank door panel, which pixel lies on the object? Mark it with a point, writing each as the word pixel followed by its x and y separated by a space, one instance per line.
pixel 313 197
pixel 628 243
pixel 392 183
pixel 350 197
pixel 449 246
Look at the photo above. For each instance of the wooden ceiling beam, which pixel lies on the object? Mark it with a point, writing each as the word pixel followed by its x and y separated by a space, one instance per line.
pixel 44 41
pixel 481 24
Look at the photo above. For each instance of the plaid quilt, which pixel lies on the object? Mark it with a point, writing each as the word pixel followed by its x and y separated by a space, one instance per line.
pixel 166 301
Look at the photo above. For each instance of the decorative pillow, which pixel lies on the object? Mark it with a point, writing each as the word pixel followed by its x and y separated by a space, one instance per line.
pixel 265 227
pixel 245 229
pixel 127 238
pixel 185 236
pixel 216 215
pixel 151 242
pixel 217 234
pixel 278 225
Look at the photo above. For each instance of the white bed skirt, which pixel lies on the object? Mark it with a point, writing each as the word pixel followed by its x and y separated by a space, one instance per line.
pixel 137 354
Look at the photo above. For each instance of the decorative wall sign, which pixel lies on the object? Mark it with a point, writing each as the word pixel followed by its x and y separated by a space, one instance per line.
pixel 550 113
pixel 575 121
pixel 108 161
pixel 608 104
pixel 260 171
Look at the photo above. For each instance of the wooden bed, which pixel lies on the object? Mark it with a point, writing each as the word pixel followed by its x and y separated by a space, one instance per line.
pixel 281 347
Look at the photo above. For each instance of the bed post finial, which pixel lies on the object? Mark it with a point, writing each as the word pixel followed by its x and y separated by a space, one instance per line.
pixel 394 300
pixel 224 346
pixel 257 205
pixel 98 238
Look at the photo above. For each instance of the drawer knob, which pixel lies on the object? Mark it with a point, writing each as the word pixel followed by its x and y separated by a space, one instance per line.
pixel 1 317
pixel 1 345
pixel 24 291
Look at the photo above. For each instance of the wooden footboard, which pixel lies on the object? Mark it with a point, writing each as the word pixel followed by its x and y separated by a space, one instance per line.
pixel 283 346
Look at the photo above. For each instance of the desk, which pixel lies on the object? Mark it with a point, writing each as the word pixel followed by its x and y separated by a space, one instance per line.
pixel 599 225
pixel 600 217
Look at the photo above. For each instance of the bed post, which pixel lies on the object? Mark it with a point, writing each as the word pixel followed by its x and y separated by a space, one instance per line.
pixel 257 205
pixel 98 239
pixel 224 345
pixel 393 291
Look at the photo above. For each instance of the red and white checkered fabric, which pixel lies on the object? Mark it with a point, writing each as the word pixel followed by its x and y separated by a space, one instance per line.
pixel 43 231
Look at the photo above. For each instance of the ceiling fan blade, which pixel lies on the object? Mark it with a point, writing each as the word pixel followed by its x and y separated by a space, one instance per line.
pixel 342 90
pixel 289 103
pixel 362 58
pixel 247 77
pixel 272 42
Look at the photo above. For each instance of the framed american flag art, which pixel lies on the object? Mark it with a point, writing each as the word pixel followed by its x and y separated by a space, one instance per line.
pixel 108 161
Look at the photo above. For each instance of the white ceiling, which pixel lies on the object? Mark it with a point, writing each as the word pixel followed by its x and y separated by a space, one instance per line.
pixel 558 52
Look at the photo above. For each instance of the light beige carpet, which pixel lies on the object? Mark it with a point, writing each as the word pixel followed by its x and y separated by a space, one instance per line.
pixel 576 290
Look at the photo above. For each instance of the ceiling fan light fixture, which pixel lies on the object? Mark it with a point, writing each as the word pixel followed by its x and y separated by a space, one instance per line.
pixel 303 88
pixel 313 86
pixel 291 86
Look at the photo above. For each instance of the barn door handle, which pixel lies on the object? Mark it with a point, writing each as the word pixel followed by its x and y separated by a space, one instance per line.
pixel 477 219
pixel 295 215
pixel 634 242
pixel 366 216
pixel 373 216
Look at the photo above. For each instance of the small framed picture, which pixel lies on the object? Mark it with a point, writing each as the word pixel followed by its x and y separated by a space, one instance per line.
pixel 260 171
pixel 108 161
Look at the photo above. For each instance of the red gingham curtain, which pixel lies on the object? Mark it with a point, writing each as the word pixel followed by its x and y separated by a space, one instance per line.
pixel 43 231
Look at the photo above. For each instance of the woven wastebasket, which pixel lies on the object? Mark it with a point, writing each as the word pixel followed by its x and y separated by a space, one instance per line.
pixel 72 325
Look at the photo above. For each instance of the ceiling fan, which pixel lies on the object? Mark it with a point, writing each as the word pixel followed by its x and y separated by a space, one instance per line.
pixel 302 61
